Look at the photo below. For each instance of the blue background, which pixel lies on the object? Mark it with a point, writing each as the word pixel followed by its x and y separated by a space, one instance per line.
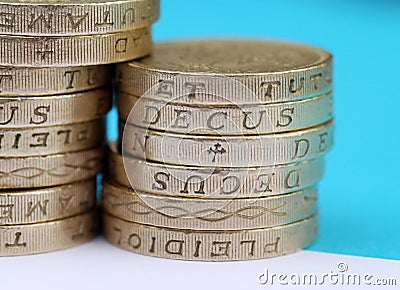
pixel 360 195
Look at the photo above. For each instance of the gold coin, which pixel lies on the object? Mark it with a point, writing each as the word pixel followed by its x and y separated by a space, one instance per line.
pixel 50 170
pixel 40 111
pixel 210 245
pixel 44 18
pixel 41 81
pixel 49 236
pixel 210 182
pixel 47 204
pixel 74 50
pixel 196 71
pixel 208 214
pixel 231 120
pixel 42 141
pixel 226 151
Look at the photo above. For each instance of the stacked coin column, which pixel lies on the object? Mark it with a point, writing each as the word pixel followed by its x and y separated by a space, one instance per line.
pixel 221 149
pixel 55 88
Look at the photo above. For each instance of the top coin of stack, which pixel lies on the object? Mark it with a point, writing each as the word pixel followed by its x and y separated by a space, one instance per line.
pixel 55 88
pixel 222 145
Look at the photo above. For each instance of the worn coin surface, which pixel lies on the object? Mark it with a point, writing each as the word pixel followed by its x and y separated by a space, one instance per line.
pixel 41 81
pixel 40 111
pixel 47 204
pixel 208 214
pixel 50 170
pixel 48 236
pixel 210 245
pixel 64 18
pixel 196 72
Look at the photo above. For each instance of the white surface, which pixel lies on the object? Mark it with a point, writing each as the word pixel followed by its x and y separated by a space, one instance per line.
pixel 98 265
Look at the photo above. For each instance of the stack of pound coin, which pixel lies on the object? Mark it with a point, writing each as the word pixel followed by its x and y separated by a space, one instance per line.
pixel 221 148
pixel 49 140
pixel 55 89
pixel 51 149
